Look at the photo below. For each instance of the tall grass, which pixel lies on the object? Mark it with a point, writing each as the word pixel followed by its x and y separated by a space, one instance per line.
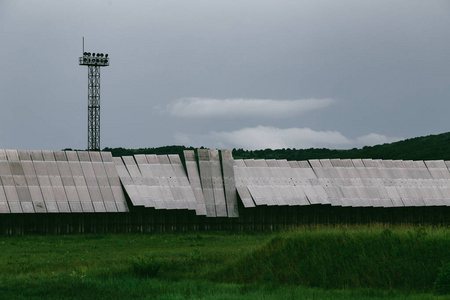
pixel 321 263
pixel 402 258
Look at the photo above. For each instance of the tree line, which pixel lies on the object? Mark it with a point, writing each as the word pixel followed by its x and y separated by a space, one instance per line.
pixel 431 147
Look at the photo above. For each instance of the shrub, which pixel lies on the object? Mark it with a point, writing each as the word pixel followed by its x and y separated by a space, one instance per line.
pixel 442 283
pixel 147 266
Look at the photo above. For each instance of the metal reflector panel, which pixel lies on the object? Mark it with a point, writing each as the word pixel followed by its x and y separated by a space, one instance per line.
pixel 27 206
pixel 91 181
pixel 55 181
pixel 87 206
pixel 162 182
pixel 114 181
pixel 241 183
pixel 268 183
pixel 44 181
pixel 194 180
pixel 75 207
pixel 103 182
pixel 169 176
pixel 154 197
pixel 287 190
pixel 99 206
pixel 217 183
pixel 79 181
pixel 15 207
pixel 4 207
pixel 206 180
pixel 229 182
pixel 183 182
pixel 68 181
pixel 9 186
pixel 23 191
pixel 32 182
pixel 52 206
pixel 12 155
pixel 127 182
pixel 245 196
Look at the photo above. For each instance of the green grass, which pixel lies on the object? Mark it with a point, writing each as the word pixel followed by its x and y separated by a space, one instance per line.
pixel 406 259
pixel 316 263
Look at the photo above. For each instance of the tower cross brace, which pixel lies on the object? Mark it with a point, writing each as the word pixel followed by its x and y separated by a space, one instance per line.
pixel 94 62
pixel 93 108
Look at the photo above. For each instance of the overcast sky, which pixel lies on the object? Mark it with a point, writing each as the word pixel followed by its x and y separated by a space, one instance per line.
pixel 249 74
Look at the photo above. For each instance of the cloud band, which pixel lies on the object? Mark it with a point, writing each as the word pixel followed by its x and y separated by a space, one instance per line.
pixel 245 108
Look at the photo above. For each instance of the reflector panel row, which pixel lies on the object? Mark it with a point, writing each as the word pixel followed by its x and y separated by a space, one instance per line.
pixel 347 182
pixel 58 182
pixel 157 181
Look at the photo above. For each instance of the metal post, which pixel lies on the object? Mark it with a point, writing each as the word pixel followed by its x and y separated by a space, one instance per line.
pixel 93 107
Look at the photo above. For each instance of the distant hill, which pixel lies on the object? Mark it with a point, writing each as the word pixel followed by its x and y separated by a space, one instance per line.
pixel 431 147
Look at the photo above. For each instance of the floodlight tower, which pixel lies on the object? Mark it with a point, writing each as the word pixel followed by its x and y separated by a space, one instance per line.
pixel 94 62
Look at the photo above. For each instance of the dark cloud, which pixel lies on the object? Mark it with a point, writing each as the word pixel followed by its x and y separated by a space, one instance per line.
pixel 385 63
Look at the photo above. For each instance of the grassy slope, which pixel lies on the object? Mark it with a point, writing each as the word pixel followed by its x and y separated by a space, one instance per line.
pixel 336 258
pixel 223 265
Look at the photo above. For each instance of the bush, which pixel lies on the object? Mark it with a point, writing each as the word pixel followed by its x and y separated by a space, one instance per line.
pixel 147 266
pixel 442 284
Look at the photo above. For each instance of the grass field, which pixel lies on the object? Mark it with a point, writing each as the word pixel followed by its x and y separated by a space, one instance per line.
pixel 374 262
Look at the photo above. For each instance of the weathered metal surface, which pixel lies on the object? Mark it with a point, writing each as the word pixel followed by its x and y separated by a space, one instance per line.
pixel 183 182
pixel 206 180
pixel 56 181
pixel 68 181
pixel 4 207
pixel 52 206
pixel 153 196
pixel 44 182
pixel 9 187
pixel 103 182
pixel 169 175
pixel 91 181
pixel 114 182
pixel 194 180
pixel 127 182
pixel 32 182
pixel 229 183
pixel 64 182
pixel 217 184
pixel 162 182
pixel 89 175
pixel 79 180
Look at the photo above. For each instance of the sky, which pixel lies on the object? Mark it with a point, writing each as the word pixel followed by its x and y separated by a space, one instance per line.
pixel 251 74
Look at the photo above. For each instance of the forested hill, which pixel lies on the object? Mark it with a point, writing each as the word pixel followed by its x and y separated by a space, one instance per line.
pixel 432 147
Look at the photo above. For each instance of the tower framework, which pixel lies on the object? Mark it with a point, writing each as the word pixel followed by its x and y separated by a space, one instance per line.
pixel 94 62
